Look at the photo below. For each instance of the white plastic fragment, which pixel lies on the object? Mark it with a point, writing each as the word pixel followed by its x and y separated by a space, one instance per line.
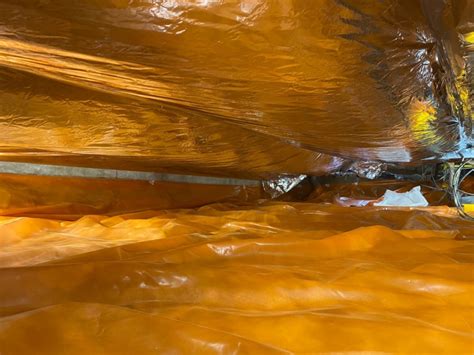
pixel 412 198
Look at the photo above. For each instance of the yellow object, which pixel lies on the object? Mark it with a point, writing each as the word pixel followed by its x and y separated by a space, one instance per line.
pixel 469 208
pixel 469 37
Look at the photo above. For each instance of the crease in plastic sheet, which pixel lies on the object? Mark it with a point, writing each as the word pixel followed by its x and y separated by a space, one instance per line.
pixel 270 278
pixel 236 88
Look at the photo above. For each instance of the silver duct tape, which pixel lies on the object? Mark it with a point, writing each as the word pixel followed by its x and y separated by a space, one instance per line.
pixel 278 187
pixel 368 170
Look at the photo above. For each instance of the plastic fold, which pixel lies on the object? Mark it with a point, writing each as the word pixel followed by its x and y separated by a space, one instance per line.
pixel 277 90
pixel 238 87
pixel 278 278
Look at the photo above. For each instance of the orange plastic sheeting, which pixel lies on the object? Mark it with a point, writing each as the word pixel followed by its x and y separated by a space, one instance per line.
pixel 274 278
pixel 71 198
pixel 235 87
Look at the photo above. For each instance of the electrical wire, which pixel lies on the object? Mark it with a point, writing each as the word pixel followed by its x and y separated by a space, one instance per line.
pixel 455 181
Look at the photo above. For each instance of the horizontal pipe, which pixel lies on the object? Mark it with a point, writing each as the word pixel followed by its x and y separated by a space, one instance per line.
pixel 70 171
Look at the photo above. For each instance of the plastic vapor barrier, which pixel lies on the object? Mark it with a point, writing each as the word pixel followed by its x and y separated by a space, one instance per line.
pixel 235 87
pixel 172 141
pixel 274 278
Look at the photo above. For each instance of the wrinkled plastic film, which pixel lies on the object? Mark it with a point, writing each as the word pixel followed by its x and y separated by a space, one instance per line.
pixel 70 128
pixel 234 87
pixel 66 198
pixel 274 278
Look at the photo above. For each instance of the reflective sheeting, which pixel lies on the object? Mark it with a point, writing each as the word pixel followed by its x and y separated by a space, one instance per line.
pixel 234 87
